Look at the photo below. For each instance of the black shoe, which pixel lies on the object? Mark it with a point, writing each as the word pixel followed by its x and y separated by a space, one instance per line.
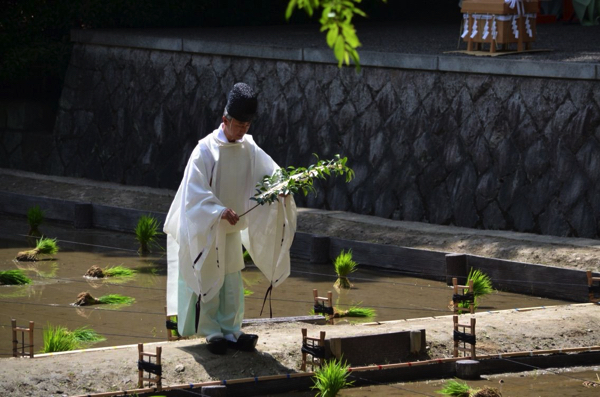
pixel 246 342
pixel 217 345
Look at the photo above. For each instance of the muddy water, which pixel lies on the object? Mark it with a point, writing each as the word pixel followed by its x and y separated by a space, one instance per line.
pixel 57 281
pixel 553 383
pixel 570 382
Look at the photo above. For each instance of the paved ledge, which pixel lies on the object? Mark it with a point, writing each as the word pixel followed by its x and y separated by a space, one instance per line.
pixel 155 40
pixel 302 45
pixel 453 230
pixel 242 50
pixel 16 186
pixel 509 67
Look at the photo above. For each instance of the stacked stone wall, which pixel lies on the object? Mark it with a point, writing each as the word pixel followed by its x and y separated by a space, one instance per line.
pixel 473 150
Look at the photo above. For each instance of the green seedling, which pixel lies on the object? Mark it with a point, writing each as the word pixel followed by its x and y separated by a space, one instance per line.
pixel 59 338
pixel 355 311
pixel 146 233
pixel 344 265
pixel 44 246
pixel 331 378
pixel 35 217
pixel 116 299
pixel 455 389
pixel 86 299
pixel 118 271
pixel 482 286
pixel 14 277
pixel 458 389
pixel 110 271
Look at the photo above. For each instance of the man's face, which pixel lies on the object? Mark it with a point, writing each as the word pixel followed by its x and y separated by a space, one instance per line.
pixel 234 130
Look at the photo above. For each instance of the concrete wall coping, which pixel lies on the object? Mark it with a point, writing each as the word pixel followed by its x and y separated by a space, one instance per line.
pixel 178 42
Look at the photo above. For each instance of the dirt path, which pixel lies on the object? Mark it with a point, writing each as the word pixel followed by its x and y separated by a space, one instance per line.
pixel 278 351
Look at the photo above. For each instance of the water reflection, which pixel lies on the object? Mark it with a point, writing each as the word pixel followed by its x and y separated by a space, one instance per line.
pixel 41 269
pixel 57 284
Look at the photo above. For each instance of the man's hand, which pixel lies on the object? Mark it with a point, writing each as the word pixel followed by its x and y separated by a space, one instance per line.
pixel 230 216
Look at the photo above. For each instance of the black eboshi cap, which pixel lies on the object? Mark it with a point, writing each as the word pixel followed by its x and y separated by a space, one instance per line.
pixel 241 102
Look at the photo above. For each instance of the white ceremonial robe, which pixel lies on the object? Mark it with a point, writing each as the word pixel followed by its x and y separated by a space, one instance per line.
pixel 194 225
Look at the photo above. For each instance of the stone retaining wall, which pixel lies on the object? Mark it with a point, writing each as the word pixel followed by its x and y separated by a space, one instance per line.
pixel 476 150
pixel 26 133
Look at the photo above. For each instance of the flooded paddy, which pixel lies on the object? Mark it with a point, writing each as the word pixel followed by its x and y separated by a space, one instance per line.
pixel 572 382
pixel 58 280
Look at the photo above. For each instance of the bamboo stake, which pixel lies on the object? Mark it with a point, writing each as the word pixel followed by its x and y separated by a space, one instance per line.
pixel 15 339
pixel 460 290
pixel 31 339
pixel 320 342
pixel 140 371
pixel 157 379
pixel 329 299
pixel 464 348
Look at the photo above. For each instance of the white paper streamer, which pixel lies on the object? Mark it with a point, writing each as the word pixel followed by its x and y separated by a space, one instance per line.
pixel 515 29
pixel 474 31
pixel 486 29
pixel 466 26
pixel 528 27
pixel 493 29
pixel 516 3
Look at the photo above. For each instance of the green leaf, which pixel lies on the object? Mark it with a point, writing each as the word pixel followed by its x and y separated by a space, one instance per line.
pixel 338 49
pixel 350 36
pixel 290 8
pixel 355 57
pixel 307 5
pixel 360 12
pixel 332 35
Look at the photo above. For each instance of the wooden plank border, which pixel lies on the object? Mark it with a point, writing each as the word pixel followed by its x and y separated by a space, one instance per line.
pixel 409 373
pixel 410 261
pixel 532 279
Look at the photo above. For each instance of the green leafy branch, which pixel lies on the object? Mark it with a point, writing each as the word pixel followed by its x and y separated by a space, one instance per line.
pixel 336 19
pixel 292 180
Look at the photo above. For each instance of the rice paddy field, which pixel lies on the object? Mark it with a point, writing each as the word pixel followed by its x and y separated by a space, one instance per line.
pixel 58 279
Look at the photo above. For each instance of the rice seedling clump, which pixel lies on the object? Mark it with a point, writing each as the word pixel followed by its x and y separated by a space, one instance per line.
pixel 147 232
pixel 482 286
pixel 86 299
pixel 116 299
pixel 457 389
pixel 118 271
pixel 35 217
pixel 44 246
pixel 110 271
pixel 331 378
pixel 344 265
pixel 59 338
pixel 356 311
pixel 14 277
